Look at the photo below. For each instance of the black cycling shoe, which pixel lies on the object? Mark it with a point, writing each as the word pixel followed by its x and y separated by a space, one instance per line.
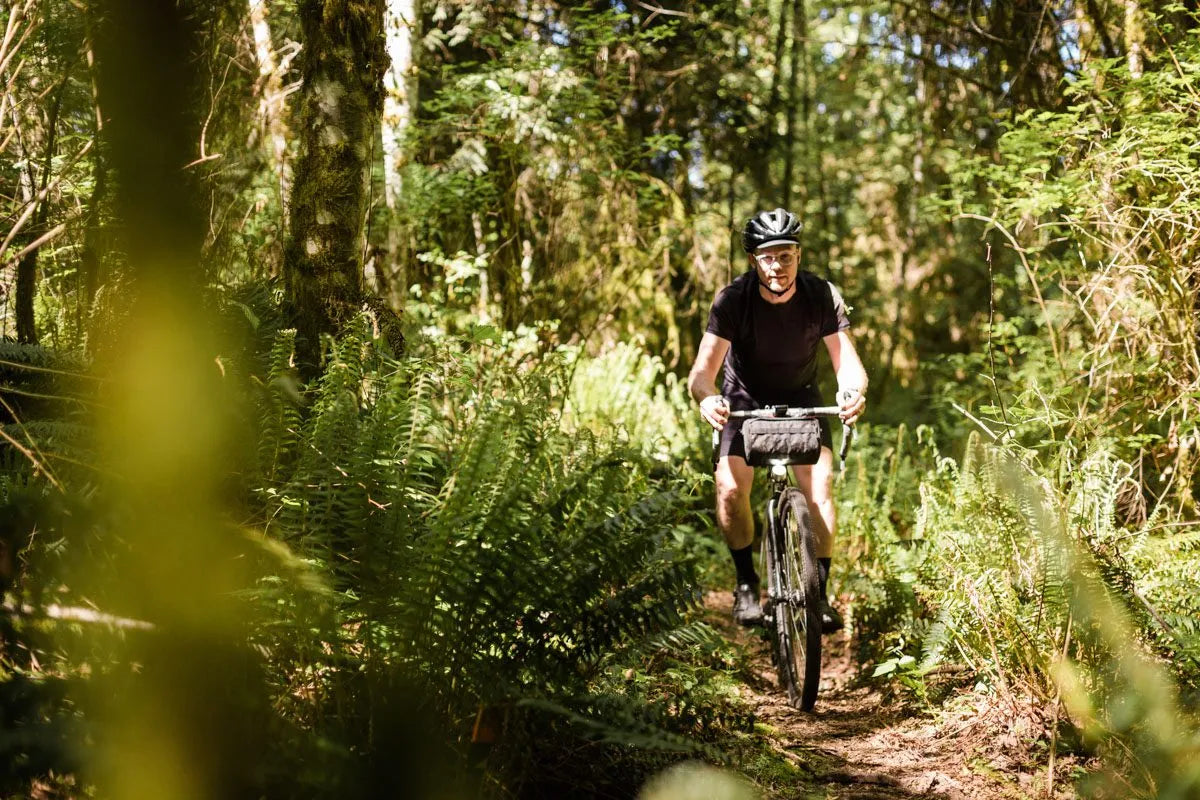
pixel 831 620
pixel 746 610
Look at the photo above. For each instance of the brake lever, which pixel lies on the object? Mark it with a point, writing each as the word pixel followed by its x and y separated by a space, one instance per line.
pixel 847 438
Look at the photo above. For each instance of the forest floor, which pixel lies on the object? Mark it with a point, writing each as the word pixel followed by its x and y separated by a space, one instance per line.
pixel 860 743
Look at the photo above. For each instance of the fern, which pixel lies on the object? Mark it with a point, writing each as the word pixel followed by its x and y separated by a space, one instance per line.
pixel 279 416
pixel 1029 576
pixel 480 550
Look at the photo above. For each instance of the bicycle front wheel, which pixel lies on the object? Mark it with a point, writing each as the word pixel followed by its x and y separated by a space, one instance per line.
pixel 798 617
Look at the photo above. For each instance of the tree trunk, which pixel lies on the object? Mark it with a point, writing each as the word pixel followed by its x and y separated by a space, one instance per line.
pixel 143 75
pixel 32 192
pixel 89 255
pixel 485 291
pixel 1100 27
pixel 1135 37
pixel 734 239
pixel 271 98
pixel 402 25
pixel 165 447
pixel 761 154
pixel 806 97
pixel 342 66
pixel 25 282
pixel 798 58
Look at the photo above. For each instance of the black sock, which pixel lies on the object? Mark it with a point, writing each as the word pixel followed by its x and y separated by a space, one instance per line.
pixel 743 562
pixel 823 569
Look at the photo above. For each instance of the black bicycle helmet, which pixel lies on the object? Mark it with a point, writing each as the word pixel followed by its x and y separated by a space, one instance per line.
pixel 769 228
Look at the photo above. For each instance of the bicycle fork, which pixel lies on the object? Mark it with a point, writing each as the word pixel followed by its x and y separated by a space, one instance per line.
pixel 779 559
pixel 772 565
pixel 775 582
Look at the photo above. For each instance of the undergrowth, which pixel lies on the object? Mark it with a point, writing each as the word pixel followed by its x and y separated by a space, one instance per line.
pixel 486 561
pixel 1028 587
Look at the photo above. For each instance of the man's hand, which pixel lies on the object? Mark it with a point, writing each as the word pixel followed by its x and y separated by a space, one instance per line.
pixel 852 402
pixel 715 410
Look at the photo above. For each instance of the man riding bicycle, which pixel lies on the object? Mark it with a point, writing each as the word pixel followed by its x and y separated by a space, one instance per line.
pixel 764 328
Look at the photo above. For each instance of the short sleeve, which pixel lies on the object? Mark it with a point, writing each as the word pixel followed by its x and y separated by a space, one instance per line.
pixel 721 318
pixel 839 319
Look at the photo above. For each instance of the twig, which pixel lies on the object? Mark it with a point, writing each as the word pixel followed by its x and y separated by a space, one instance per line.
pixel 41 196
pixel 79 614
pixel 48 236
pixel 31 368
pixel 7 49
pixel 38 466
pixel 12 390
pixel 1037 292
pixel 203 159
pixel 656 10
pixel 991 332
pixel 33 453
pixel 976 420
pixel 973 596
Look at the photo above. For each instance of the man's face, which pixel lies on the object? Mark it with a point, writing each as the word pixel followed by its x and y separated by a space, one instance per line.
pixel 777 266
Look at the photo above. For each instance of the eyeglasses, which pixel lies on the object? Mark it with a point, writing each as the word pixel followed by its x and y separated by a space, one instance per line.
pixel 767 259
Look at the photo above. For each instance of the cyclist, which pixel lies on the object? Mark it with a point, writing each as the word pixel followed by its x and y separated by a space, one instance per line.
pixel 764 328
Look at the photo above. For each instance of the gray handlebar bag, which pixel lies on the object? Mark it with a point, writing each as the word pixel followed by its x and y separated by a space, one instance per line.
pixel 786 440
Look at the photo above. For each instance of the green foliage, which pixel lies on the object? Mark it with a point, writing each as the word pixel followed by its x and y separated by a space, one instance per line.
pixel 434 534
pixel 479 552
pixel 1052 562
pixel 1033 586
pixel 625 391
pixel 549 178
pixel 499 519
pixel 1105 276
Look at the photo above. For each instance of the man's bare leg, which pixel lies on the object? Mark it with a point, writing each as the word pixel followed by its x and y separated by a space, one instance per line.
pixel 736 521
pixel 734 517
pixel 816 482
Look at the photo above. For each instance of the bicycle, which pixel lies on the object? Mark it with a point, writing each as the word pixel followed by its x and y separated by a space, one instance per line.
pixel 789 555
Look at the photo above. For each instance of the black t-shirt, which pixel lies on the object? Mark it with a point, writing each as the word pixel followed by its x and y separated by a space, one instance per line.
pixel 772 356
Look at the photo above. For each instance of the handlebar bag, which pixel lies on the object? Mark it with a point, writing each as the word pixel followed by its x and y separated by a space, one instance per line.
pixel 786 440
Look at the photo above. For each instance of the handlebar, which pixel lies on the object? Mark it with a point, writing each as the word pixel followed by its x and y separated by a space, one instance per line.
pixel 787 411
pixel 795 412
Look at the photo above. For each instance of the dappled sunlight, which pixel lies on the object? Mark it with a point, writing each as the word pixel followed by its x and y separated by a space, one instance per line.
pixel 350 435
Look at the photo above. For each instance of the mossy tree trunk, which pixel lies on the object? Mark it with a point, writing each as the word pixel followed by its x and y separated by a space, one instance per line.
pixel 342 66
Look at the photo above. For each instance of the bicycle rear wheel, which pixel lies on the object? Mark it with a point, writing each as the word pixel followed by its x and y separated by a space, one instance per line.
pixel 798 615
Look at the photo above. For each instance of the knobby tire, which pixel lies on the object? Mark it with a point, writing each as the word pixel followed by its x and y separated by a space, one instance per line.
pixel 798 628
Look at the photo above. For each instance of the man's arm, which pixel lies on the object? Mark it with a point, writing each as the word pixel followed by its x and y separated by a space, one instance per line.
pixel 702 380
pixel 851 376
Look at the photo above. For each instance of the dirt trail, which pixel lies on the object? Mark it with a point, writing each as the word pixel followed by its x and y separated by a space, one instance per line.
pixel 859 745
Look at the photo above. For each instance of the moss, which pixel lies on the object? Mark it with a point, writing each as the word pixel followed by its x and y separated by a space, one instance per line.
pixel 342 69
